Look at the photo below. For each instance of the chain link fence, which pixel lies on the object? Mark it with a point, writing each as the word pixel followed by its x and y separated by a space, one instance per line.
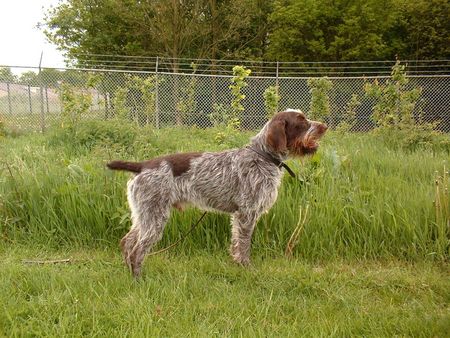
pixel 165 99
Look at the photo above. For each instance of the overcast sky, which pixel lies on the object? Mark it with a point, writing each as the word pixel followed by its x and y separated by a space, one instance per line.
pixel 21 42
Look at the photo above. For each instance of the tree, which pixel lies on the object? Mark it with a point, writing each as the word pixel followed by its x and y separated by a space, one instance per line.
pixel 302 30
pixel 29 78
pixel 319 108
pixel 332 30
pixel 327 30
pixel 284 30
pixel 426 28
pixel 51 77
pixel 6 75
pixel 236 29
pixel 363 33
pixel 96 27
pixel 46 77
pixel 174 28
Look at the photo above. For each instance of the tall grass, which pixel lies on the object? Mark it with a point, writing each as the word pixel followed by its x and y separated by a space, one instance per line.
pixel 364 198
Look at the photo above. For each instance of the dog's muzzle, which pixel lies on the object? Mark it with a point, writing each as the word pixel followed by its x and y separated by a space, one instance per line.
pixel 313 135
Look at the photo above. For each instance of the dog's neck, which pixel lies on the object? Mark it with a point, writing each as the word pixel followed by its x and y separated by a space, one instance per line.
pixel 259 143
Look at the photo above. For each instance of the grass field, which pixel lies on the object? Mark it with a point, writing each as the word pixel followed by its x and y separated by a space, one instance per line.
pixel 206 295
pixel 371 257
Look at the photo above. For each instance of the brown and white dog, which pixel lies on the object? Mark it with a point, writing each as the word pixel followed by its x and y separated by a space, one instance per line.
pixel 242 182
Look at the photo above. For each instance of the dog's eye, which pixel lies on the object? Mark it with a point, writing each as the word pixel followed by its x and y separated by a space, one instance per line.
pixel 297 128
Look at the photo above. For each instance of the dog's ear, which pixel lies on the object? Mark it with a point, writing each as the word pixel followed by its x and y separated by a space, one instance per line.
pixel 276 135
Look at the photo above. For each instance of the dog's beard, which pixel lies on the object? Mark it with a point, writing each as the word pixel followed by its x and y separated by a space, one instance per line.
pixel 309 143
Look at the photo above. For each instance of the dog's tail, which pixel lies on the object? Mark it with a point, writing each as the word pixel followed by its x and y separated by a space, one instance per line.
pixel 135 167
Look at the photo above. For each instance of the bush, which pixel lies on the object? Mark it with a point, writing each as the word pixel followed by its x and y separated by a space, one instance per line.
pixel 393 114
pixel 413 139
pixel 75 104
pixel 88 134
pixel 348 118
pixel 319 108
pixel 271 101
pixel 220 115
pixel 240 74
pixel 394 102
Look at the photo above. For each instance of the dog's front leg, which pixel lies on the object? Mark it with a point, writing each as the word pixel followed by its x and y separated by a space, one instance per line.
pixel 243 224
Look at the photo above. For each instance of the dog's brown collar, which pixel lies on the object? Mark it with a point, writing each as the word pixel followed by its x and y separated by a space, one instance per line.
pixel 272 159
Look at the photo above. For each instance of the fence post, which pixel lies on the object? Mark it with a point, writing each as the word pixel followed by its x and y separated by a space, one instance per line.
pixel 277 90
pixel 29 99
pixel 46 99
pixel 41 96
pixel 9 99
pixel 157 95
pixel 106 97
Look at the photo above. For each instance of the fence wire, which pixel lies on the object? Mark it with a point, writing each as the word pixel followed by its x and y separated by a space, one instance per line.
pixel 165 99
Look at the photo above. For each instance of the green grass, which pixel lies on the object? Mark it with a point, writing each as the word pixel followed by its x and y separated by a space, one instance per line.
pixel 364 198
pixel 371 257
pixel 207 295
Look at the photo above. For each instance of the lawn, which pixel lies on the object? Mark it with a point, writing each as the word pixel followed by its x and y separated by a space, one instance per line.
pixel 207 295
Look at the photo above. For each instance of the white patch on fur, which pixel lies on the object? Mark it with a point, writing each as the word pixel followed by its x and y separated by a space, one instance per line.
pixel 291 110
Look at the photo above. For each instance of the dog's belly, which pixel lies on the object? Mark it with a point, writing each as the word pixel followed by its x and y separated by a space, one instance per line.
pixel 215 205
pixel 214 196
pixel 211 197
pixel 181 206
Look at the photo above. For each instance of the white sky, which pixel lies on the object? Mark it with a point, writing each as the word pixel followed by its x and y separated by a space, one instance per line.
pixel 21 42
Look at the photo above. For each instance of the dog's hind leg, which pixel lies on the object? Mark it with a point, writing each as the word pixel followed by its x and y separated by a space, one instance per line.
pixel 150 205
pixel 129 241
pixel 151 231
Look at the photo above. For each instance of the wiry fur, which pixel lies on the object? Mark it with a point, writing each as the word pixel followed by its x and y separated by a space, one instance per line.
pixel 239 182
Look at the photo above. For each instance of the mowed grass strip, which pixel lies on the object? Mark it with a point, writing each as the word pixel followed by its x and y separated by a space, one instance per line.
pixel 208 295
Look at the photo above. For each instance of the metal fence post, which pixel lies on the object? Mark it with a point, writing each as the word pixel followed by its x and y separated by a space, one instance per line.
pixel 9 99
pixel 157 95
pixel 106 97
pixel 277 85
pixel 46 99
pixel 41 96
pixel 29 99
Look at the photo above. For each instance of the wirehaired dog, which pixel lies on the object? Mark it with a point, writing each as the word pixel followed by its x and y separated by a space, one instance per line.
pixel 242 182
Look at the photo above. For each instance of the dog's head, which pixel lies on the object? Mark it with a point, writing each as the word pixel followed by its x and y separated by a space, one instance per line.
pixel 291 133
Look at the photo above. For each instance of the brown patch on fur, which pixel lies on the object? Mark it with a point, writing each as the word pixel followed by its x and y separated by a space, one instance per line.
pixel 276 136
pixel 180 206
pixel 134 167
pixel 180 163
